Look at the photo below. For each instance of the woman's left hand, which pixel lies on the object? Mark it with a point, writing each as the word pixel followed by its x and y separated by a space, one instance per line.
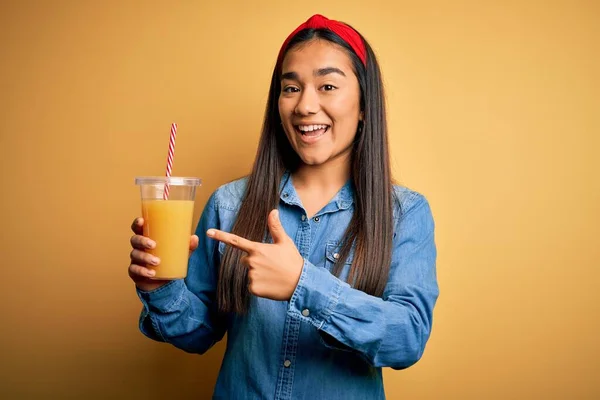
pixel 273 269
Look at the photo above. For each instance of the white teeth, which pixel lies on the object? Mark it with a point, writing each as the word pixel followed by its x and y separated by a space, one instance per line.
pixel 310 128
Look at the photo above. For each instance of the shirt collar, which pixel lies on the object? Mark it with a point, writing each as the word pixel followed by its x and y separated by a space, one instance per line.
pixel 342 200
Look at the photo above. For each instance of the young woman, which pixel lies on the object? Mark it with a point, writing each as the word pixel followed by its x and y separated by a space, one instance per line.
pixel 320 270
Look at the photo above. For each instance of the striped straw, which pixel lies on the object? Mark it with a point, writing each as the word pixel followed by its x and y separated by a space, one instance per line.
pixel 170 159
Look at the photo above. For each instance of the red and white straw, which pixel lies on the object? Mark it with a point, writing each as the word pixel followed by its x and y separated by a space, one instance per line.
pixel 170 159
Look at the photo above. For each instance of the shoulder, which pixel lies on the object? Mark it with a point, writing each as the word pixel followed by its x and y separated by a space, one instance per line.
pixel 229 196
pixel 408 201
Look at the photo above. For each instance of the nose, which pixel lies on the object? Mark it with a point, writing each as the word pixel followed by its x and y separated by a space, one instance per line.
pixel 308 102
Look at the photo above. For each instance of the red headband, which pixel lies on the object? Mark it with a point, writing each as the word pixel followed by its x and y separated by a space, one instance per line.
pixel 348 34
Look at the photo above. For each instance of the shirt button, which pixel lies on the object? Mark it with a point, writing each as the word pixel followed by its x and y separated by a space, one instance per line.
pixel 317 219
pixel 336 256
pixel 287 363
pixel 305 312
pixel 303 217
pixel 285 195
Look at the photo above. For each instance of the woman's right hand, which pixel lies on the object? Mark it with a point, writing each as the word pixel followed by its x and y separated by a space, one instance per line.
pixel 140 258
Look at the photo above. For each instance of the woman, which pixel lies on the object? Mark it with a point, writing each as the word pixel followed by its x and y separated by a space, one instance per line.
pixel 320 270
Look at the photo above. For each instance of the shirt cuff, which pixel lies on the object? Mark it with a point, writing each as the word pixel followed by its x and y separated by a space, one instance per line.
pixel 163 299
pixel 316 295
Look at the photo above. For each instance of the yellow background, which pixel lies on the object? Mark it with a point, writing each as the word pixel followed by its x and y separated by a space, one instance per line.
pixel 493 111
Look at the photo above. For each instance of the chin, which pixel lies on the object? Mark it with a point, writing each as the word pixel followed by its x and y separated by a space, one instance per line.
pixel 316 158
pixel 313 159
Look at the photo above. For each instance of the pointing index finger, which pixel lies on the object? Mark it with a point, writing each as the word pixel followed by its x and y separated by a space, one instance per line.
pixel 232 240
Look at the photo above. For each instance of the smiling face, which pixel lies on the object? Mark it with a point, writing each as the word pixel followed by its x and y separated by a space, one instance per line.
pixel 319 103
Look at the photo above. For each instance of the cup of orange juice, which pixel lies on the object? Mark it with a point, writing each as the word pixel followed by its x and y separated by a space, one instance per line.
pixel 168 209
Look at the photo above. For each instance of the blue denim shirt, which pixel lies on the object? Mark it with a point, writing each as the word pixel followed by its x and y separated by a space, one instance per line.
pixel 329 341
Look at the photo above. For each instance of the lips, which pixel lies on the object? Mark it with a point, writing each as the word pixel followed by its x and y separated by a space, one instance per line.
pixel 310 134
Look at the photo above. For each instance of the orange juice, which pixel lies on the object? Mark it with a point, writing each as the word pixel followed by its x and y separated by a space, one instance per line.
pixel 169 223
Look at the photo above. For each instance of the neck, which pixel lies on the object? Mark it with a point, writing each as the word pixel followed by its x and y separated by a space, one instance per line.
pixel 334 173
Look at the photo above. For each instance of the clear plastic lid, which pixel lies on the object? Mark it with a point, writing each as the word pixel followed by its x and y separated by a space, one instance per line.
pixel 172 181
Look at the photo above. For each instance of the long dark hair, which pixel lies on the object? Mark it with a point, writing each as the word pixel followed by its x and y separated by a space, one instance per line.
pixel 371 227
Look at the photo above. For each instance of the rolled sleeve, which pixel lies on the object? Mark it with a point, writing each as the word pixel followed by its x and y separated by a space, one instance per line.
pixel 164 298
pixel 316 295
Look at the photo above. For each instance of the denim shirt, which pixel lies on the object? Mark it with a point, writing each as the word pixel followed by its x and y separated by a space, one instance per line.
pixel 329 341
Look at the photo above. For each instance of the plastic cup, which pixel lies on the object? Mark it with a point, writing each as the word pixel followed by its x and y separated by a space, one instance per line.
pixel 169 222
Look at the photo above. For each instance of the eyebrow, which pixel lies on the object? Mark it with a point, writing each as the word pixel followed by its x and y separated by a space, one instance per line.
pixel 319 72
pixel 329 70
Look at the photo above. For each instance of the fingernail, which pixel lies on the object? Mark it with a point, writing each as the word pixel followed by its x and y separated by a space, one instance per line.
pixel 151 272
pixel 210 233
pixel 155 260
pixel 150 244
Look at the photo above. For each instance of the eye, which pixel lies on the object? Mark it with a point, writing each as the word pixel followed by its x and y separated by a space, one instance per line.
pixel 328 88
pixel 290 89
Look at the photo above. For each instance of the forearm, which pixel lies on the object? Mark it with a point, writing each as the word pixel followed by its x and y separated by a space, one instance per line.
pixel 390 331
pixel 175 315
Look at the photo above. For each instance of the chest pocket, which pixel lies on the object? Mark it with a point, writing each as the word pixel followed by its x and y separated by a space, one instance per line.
pixel 332 253
pixel 332 258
